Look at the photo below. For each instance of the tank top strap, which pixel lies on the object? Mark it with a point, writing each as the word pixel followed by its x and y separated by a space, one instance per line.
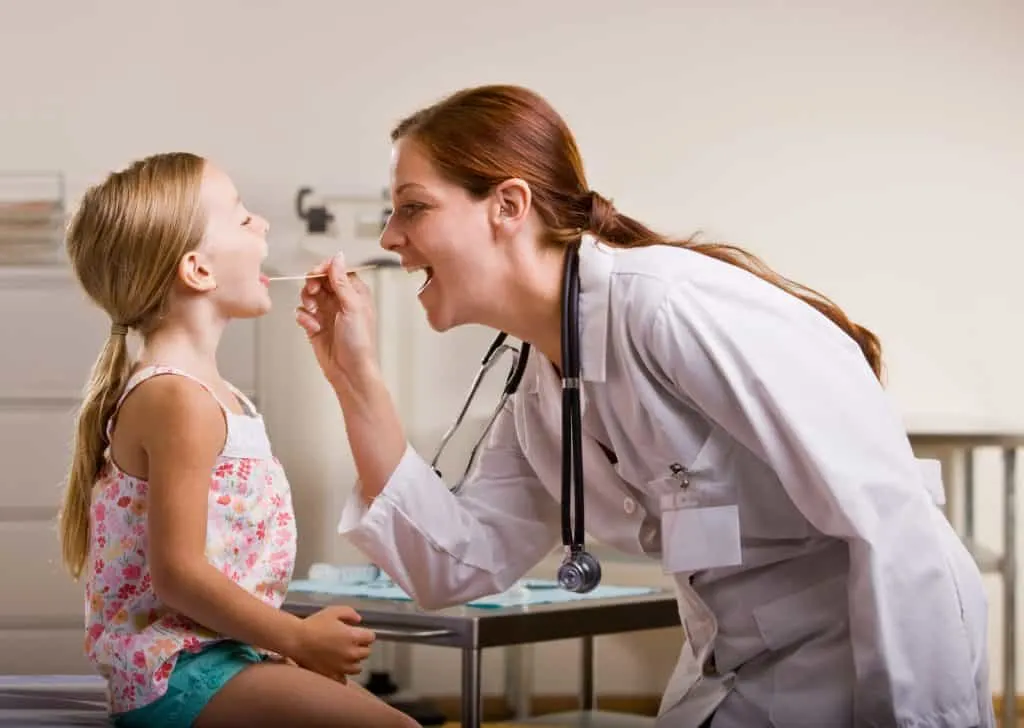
pixel 155 370
pixel 250 408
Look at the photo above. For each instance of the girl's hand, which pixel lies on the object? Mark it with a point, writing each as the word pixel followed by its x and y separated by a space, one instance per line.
pixel 330 643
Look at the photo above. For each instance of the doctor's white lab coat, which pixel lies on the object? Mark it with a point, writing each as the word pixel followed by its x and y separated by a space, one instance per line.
pixel 819 583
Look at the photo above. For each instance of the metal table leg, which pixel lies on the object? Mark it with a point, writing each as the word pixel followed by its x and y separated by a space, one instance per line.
pixel 587 701
pixel 472 700
pixel 519 680
pixel 1009 587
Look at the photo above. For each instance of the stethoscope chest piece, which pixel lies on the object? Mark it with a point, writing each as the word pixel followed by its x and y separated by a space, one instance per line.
pixel 580 572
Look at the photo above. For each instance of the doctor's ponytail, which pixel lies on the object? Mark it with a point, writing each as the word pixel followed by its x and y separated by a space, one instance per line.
pixel 608 224
pixel 480 137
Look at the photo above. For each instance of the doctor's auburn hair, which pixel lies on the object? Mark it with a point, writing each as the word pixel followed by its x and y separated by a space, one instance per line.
pixel 124 241
pixel 479 137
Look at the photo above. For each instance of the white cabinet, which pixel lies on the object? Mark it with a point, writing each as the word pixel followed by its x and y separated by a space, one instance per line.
pixel 50 334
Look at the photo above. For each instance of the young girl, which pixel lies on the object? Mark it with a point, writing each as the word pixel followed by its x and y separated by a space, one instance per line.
pixel 177 512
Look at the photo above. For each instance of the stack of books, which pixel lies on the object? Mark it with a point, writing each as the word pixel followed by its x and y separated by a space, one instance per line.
pixel 32 217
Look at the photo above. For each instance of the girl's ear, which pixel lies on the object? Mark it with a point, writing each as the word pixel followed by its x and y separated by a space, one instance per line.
pixel 195 273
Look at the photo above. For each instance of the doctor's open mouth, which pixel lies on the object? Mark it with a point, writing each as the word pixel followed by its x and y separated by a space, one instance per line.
pixel 428 272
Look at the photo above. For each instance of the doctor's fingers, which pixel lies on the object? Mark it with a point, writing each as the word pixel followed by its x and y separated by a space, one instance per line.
pixel 320 274
pixel 359 286
pixel 353 297
pixel 309 323
pixel 317 313
pixel 325 307
pixel 317 302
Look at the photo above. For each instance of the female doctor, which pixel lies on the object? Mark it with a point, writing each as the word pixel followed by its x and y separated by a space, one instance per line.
pixel 733 427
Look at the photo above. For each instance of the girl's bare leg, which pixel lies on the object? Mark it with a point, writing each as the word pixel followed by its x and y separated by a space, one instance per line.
pixel 274 694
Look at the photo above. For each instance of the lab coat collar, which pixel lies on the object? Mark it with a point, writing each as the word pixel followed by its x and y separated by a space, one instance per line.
pixel 595 271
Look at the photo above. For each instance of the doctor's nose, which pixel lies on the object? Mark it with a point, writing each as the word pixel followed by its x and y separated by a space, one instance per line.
pixel 389 237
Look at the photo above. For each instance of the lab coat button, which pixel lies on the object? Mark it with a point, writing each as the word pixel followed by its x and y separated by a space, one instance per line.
pixel 629 506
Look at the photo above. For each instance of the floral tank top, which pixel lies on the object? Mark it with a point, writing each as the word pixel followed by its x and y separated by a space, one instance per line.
pixel 133 639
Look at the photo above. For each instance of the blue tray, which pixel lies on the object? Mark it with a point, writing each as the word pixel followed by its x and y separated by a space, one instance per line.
pixel 528 592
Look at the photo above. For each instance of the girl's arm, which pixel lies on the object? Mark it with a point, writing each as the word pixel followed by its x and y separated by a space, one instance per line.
pixel 183 432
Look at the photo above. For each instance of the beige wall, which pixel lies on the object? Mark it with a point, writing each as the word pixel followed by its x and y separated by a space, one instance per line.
pixel 870 149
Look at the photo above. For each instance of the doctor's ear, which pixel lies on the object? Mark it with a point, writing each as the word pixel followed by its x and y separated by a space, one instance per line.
pixel 512 200
pixel 195 272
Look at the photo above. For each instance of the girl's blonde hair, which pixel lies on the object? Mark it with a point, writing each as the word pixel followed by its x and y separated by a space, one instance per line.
pixel 125 242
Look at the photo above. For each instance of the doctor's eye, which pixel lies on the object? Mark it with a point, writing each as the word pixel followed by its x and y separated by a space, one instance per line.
pixel 410 209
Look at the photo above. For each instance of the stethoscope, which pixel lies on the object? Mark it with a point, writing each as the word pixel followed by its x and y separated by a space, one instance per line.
pixel 579 571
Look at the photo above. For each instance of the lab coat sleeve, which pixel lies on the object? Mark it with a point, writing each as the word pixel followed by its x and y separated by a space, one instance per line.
pixel 445 549
pixel 797 392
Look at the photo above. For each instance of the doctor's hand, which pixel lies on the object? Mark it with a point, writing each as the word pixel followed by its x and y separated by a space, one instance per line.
pixel 337 315
pixel 330 643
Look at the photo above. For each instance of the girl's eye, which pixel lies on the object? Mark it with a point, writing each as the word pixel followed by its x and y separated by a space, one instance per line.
pixel 411 208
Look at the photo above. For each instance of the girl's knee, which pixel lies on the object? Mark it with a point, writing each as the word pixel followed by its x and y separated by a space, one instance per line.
pixel 401 720
pixel 407 722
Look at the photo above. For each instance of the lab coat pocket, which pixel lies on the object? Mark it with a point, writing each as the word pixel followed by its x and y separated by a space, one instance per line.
pixel 810 630
pixel 795 617
pixel 702 476
pixel 700 524
pixel 696 537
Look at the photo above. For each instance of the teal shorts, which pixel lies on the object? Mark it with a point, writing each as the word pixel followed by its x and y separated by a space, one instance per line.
pixel 196 678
